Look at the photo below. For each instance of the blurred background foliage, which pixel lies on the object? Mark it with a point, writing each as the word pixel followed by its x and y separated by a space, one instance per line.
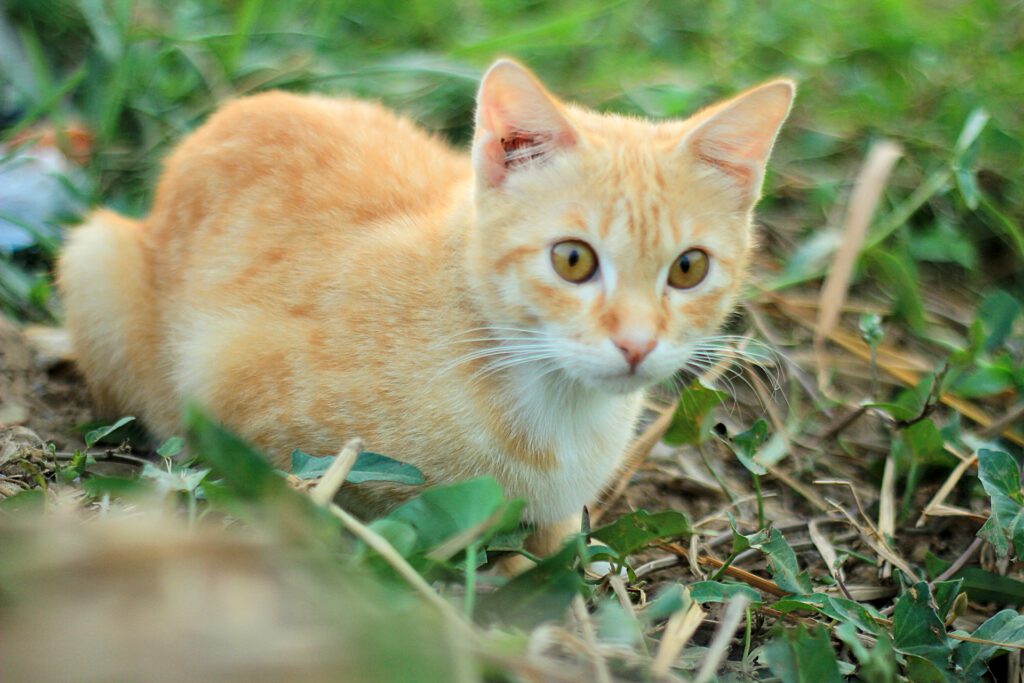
pixel 139 75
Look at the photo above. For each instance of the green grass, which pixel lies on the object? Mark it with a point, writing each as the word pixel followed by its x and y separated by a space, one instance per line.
pixel 942 268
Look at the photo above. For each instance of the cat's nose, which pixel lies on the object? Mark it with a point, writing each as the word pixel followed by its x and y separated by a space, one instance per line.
pixel 635 350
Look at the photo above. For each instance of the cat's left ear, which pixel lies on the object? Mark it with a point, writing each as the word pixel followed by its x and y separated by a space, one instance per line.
pixel 517 122
pixel 736 137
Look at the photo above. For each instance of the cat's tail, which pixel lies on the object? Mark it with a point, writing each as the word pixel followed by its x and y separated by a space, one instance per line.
pixel 109 310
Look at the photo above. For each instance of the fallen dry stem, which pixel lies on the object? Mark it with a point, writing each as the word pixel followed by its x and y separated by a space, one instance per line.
pixel 335 476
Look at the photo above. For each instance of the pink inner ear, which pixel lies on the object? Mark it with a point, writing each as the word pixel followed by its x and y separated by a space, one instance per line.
pixel 740 170
pixel 520 147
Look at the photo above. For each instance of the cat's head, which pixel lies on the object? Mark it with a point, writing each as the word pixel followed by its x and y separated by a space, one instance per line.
pixel 607 247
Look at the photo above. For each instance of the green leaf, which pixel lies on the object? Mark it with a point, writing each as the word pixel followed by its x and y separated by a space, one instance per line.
pixel 803 655
pixel 981 585
pixel 747 444
pixel 691 423
pixel 95 435
pixel 538 595
pixel 863 616
pixel 97 487
pixel 1003 627
pixel 172 447
pixel 1000 475
pixel 441 512
pixel 670 600
pixel 781 560
pixel 639 529
pixel 877 665
pixel 27 501
pixel 368 467
pixel 897 272
pixel 998 312
pixel 923 440
pixel 248 477
pixel 917 629
pixel 987 380
pixel 911 402
pixel 715 591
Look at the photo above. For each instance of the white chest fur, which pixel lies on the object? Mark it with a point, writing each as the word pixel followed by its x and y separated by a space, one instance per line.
pixel 587 432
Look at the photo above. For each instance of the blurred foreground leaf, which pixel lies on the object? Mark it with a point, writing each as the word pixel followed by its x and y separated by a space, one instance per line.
pixel 368 467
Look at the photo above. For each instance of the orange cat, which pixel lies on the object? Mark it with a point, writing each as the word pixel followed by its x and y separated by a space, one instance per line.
pixel 315 269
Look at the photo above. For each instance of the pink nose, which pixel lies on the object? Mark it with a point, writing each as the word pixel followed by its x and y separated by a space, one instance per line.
pixel 635 351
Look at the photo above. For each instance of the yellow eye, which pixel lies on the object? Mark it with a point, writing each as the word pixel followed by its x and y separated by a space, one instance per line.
pixel 689 270
pixel 574 261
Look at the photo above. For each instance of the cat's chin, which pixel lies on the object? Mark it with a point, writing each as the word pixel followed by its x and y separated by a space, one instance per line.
pixel 625 383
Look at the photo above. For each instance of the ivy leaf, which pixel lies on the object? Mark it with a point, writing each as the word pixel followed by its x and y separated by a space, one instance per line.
pixel 746 445
pixel 919 632
pixel 781 560
pixel 368 467
pixel 537 595
pixel 878 664
pixel 1000 475
pixel 691 423
pixel 93 436
pixel 715 591
pixel 997 313
pixel 803 655
pixel 846 611
pixel 441 512
pixel 639 529
pixel 1003 627
pixel 980 585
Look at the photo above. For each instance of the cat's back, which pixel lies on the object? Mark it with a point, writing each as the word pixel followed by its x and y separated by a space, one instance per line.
pixel 303 159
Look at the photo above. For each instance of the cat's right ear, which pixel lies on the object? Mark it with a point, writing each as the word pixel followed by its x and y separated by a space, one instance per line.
pixel 518 122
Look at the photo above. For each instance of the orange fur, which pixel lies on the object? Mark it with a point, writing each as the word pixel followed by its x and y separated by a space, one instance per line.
pixel 315 269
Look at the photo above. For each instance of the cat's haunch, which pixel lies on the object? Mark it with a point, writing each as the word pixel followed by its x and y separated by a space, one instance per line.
pixel 315 269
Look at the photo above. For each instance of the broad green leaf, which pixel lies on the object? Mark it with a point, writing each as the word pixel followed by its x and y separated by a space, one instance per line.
pixel 923 440
pixel 877 665
pixel 1000 475
pixel 781 561
pixel 368 467
pixel 896 271
pixel 917 629
pixel 93 436
pixel 997 313
pixel 246 477
pixel 715 591
pixel 803 655
pixel 863 616
pixel 441 512
pixel 114 486
pixel 639 529
pixel 172 447
pixel 540 594
pixel 987 380
pixel 616 626
pixel 30 500
pixel 670 600
pixel 911 402
pixel 1003 627
pixel 692 422
pixel 981 585
pixel 401 535
pixel 746 445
